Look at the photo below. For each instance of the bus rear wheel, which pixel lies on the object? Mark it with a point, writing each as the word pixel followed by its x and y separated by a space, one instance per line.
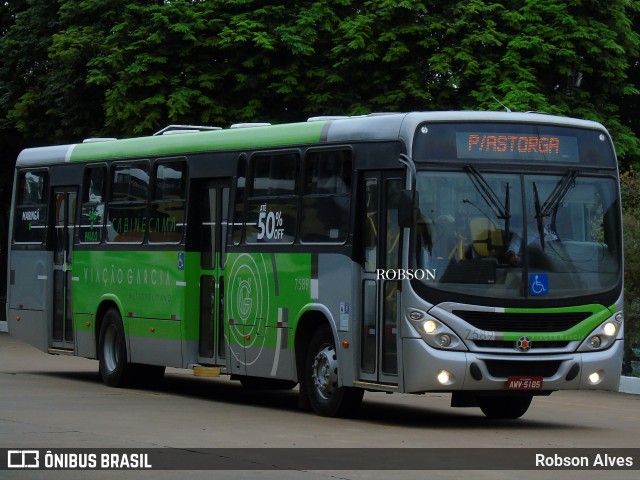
pixel 321 371
pixel 502 407
pixel 112 351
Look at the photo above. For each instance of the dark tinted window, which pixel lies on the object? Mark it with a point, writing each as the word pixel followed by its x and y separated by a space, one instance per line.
pixel 326 198
pixel 127 208
pixel 272 209
pixel 92 215
pixel 273 175
pixel 240 194
pixel 31 208
pixel 166 218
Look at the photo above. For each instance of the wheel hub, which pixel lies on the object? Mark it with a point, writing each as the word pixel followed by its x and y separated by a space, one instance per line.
pixel 325 372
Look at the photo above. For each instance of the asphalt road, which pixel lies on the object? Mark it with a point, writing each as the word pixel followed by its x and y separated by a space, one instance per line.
pixel 59 402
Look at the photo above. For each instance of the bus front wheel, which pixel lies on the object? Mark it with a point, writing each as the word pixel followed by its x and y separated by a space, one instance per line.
pixel 112 359
pixel 504 407
pixel 321 370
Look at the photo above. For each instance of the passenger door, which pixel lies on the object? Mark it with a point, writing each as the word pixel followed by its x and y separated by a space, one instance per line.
pixel 64 220
pixel 381 245
pixel 213 210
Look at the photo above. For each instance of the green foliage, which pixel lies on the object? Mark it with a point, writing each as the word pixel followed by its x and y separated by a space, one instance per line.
pixel 630 187
pixel 73 68
pixel 45 49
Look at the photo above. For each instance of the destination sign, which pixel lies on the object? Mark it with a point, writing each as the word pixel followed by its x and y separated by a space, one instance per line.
pixel 516 146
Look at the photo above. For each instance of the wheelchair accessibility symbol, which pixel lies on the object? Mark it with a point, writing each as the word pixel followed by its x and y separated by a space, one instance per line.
pixel 538 284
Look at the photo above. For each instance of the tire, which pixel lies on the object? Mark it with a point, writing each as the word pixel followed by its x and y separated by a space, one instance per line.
pixel 112 351
pixel 321 378
pixel 504 407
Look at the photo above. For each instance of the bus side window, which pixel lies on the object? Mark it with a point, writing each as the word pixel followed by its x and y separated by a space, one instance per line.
pixel 272 203
pixel 371 225
pixel 166 218
pixel 92 216
pixel 31 208
pixel 326 198
pixel 240 196
pixel 128 203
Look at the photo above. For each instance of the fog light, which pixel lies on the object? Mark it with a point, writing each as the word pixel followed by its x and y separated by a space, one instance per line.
pixel 610 329
pixel 445 340
pixel 429 326
pixel 444 377
pixel 594 378
pixel 595 341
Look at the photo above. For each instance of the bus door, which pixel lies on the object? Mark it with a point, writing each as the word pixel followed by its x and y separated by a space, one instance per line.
pixel 381 247
pixel 64 220
pixel 213 208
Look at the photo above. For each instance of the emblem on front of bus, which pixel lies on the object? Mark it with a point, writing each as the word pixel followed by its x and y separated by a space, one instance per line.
pixel 524 344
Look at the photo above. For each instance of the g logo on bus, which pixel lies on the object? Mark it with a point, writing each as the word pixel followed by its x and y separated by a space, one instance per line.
pixel 524 344
pixel 244 301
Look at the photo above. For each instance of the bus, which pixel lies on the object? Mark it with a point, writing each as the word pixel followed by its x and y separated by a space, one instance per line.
pixel 473 253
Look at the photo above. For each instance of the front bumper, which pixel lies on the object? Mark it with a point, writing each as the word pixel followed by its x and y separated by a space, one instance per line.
pixel 471 371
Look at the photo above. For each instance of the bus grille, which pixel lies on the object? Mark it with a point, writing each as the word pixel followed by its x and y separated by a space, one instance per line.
pixel 504 368
pixel 510 344
pixel 522 322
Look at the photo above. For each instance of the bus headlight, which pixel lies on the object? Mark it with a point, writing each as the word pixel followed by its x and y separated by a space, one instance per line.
pixel 595 377
pixel 434 332
pixel 430 326
pixel 603 336
pixel 444 377
pixel 609 329
pixel 595 342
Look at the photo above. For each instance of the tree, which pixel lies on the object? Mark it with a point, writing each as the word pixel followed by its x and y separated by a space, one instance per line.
pixel 630 185
pixel 45 49
pixel 77 68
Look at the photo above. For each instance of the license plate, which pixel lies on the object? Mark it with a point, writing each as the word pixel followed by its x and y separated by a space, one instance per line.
pixel 524 383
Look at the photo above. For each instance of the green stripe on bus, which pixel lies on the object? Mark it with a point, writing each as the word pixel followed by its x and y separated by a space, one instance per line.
pixel 579 332
pixel 276 135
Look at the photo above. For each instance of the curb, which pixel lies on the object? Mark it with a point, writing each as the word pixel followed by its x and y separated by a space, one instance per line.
pixel 630 385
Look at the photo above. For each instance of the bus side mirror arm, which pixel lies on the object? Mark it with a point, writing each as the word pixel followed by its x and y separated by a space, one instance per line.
pixel 408 207
pixel 409 203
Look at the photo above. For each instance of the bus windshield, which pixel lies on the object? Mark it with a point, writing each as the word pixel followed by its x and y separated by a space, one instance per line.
pixel 517 235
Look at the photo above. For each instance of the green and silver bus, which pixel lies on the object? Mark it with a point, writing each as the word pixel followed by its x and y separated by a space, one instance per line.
pixel 476 253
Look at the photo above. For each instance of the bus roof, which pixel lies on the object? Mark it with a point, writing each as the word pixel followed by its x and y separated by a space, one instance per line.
pixel 330 129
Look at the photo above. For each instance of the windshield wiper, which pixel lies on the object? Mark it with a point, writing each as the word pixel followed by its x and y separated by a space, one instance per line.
pixel 488 195
pixel 559 192
pixel 553 201
pixel 539 216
